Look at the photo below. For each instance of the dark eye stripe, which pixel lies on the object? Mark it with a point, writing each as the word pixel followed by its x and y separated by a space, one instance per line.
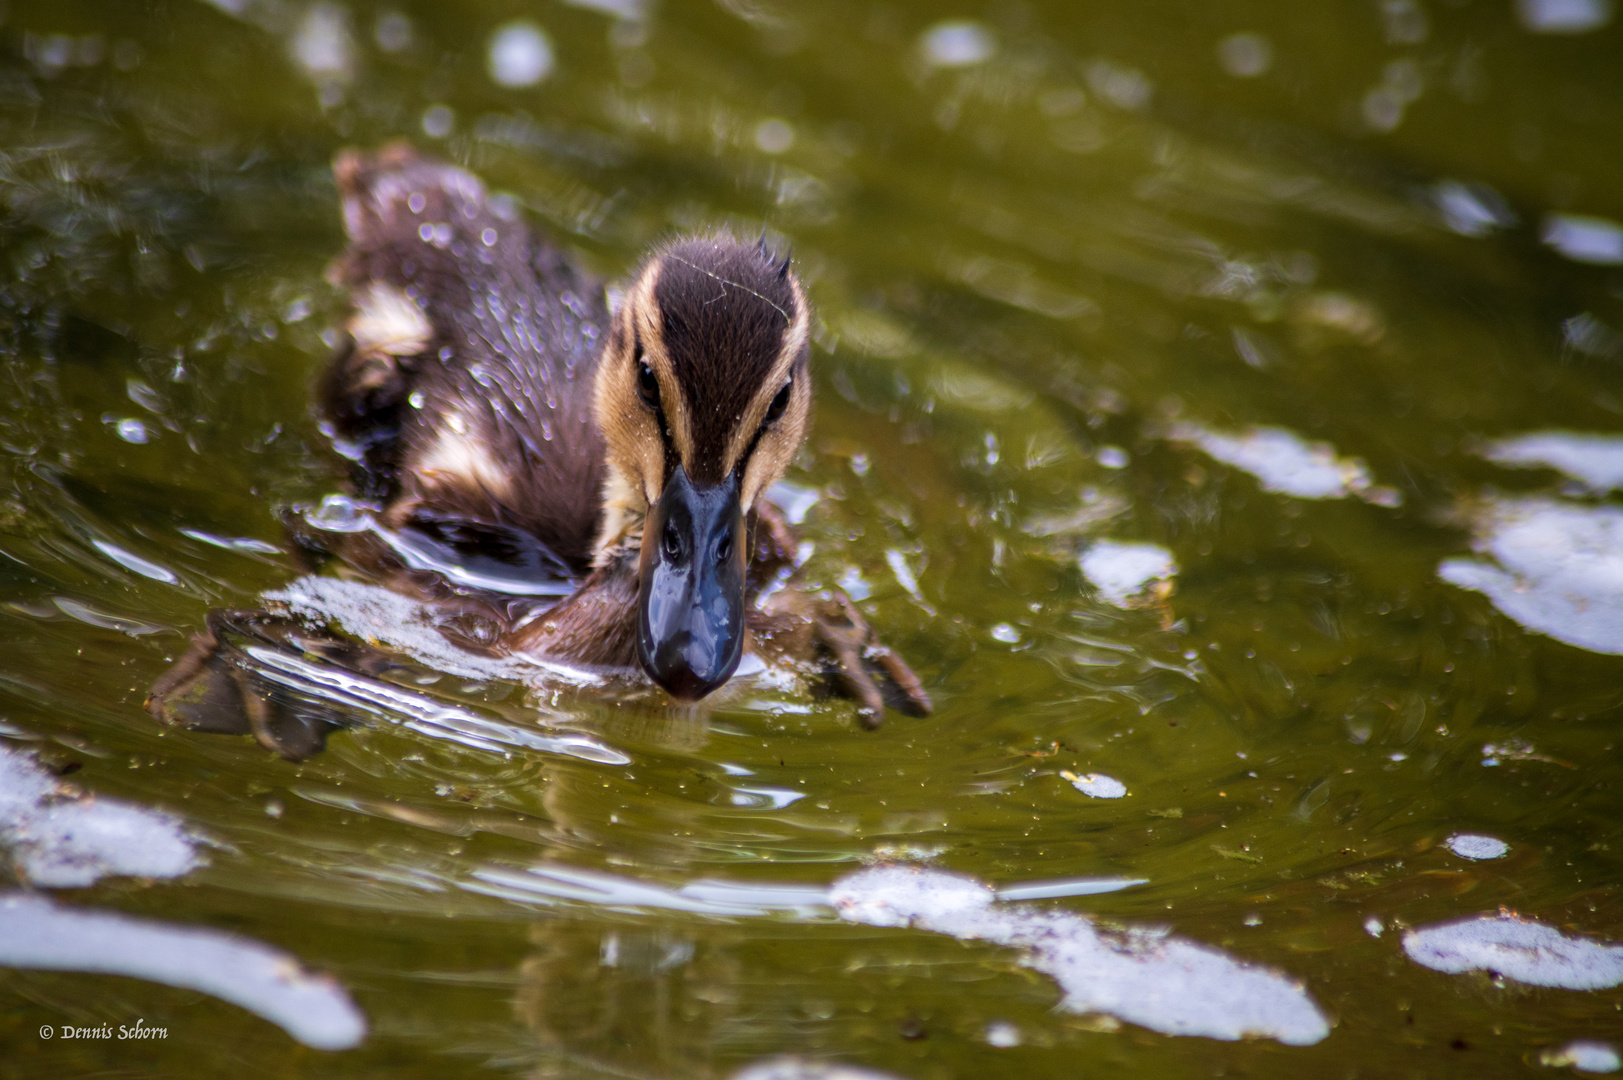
pixel 647 386
pixel 648 391
pixel 774 411
pixel 780 403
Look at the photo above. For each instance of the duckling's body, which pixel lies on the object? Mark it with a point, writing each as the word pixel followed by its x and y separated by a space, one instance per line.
pixel 493 402
pixel 500 414
pixel 468 383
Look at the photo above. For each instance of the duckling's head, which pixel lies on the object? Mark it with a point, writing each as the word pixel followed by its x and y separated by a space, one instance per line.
pixel 703 399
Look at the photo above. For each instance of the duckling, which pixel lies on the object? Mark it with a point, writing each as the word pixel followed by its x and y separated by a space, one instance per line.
pixel 493 403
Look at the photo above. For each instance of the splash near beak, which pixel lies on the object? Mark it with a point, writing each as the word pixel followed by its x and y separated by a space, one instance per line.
pixel 690 607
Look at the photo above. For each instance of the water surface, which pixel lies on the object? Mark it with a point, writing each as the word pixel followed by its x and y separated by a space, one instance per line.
pixel 1218 406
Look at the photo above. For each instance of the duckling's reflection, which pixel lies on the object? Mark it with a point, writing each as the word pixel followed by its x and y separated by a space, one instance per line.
pixel 631 1000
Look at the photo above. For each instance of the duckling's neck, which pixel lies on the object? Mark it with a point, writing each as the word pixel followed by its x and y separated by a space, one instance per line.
pixel 624 510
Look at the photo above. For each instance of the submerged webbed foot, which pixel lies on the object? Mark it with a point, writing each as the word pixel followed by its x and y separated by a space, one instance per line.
pixel 827 630
pixel 861 667
pixel 226 682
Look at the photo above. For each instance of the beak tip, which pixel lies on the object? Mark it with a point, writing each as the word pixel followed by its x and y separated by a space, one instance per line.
pixel 687 686
pixel 688 678
pixel 690 623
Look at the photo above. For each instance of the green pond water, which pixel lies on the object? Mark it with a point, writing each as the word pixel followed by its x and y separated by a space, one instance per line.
pixel 1280 290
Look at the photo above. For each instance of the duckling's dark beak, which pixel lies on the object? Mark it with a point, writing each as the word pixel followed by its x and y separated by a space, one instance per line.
pixel 690 606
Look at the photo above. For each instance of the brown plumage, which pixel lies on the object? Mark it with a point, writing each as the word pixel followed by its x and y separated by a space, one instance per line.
pixel 493 332
pixel 726 312
pixel 496 408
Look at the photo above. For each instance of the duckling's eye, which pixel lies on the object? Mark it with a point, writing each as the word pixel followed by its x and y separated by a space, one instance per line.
pixel 648 386
pixel 779 403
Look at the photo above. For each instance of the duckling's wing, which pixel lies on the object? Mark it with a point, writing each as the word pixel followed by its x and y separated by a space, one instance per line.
pixel 466 390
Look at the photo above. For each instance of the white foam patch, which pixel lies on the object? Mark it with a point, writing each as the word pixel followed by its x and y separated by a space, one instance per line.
pixel 39 935
pixel 1002 1035
pixel 1126 574
pixel 1284 462
pixel 958 43
pixel 1584 1055
pixel 1595 461
pixel 1477 846
pixel 1594 240
pixel 60 840
pixel 1097 785
pixel 1521 949
pixel 1552 566
pixel 1564 16
pixel 1146 977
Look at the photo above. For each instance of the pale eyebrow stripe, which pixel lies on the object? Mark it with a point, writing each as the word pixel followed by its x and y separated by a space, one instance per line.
pixel 727 281
pixel 658 357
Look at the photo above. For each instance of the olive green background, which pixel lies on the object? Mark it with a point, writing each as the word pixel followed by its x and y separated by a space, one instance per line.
pixel 1012 271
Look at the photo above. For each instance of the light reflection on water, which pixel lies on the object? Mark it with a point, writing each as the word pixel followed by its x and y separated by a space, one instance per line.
pixel 1119 307
pixel 1144 976
pixel 36 934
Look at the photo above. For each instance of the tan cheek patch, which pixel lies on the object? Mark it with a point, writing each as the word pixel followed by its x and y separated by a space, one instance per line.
pixel 778 446
pixel 455 458
pixel 386 320
pixel 635 446
pixel 766 466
